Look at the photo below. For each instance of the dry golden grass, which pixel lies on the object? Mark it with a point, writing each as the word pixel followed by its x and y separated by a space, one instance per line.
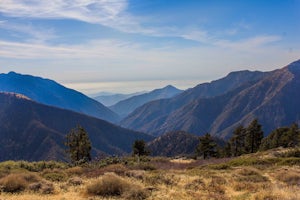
pixel 191 180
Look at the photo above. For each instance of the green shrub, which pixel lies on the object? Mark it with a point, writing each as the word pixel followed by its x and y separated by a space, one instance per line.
pixel 289 161
pixel 54 175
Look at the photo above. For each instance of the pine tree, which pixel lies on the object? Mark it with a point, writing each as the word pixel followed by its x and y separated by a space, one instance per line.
pixel 293 135
pixel 238 141
pixel 206 147
pixel 254 136
pixel 79 145
pixel 139 148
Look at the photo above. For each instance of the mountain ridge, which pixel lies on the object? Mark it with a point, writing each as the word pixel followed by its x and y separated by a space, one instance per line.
pixel 49 92
pixel 256 97
pixel 124 107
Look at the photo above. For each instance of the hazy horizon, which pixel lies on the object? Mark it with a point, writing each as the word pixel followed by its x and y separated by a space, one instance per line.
pixel 125 46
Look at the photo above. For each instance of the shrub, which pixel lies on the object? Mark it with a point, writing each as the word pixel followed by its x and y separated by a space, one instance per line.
pixel 109 185
pixel 42 187
pixel 75 181
pixel 54 175
pixel 160 178
pixel 13 183
pixel 136 193
pixel 195 185
pixel 137 174
pixel 77 171
pixel 290 178
pixel 250 175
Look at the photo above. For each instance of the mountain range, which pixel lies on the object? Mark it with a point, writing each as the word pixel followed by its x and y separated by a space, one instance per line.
pixel 51 93
pixel 220 106
pixel 33 131
pixel 111 99
pixel 125 107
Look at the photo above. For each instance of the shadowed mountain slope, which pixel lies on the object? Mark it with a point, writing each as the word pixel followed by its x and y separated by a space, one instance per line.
pixel 271 97
pixel 51 93
pixel 33 131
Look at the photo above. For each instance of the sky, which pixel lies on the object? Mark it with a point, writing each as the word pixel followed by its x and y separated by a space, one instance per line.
pixel 126 46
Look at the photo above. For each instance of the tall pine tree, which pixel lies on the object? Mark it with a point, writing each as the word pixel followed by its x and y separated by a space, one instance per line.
pixel 207 146
pixel 79 145
pixel 254 136
pixel 237 141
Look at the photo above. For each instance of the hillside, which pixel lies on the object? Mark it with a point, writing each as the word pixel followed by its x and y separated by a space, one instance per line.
pixel 123 108
pixel 51 93
pixel 273 174
pixel 266 96
pixel 33 131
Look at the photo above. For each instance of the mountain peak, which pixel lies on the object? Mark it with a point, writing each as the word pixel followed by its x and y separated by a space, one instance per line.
pixel 169 87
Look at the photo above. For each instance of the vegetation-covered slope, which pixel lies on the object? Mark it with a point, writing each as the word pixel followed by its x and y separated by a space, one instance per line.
pixel 33 131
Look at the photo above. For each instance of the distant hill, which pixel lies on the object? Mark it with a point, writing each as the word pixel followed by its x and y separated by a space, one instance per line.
pixel 111 99
pixel 123 108
pixel 51 93
pixel 240 97
pixel 33 131
pixel 174 144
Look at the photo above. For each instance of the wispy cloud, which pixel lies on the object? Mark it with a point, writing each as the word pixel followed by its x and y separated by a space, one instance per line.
pixel 249 44
pixel 28 32
pixel 108 13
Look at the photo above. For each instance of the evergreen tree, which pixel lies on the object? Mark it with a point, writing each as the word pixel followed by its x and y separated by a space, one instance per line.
pixel 293 135
pixel 282 137
pixel 237 141
pixel 207 146
pixel 79 145
pixel 139 148
pixel 254 136
pixel 227 150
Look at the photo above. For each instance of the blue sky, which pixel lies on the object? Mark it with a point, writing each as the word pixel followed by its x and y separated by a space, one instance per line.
pixel 135 45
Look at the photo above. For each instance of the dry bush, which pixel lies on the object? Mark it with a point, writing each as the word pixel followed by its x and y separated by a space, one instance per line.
pixel 249 175
pixel 109 185
pixel 42 187
pixel 289 177
pixel 77 171
pixel 17 182
pixel 136 193
pixel 137 174
pixel 195 185
pixel 160 178
pixel 244 186
pixel 267 195
pixel 13 183
pixel 75 181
